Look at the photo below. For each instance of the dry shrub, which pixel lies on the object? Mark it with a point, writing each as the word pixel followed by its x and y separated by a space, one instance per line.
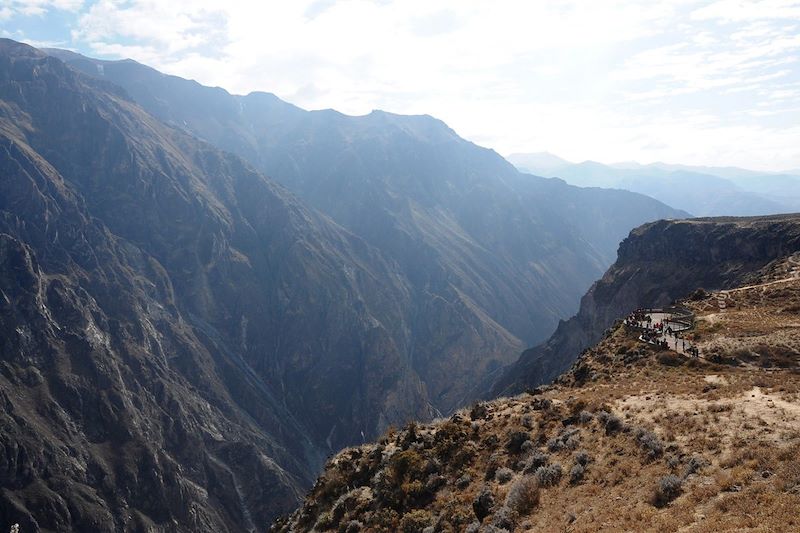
pixel 576 473
pixel 671 358
pixel 583 458
pixel 503 475
pixel 416 521
pixel 549 475
pixel 650 443
pixel 523 495
pixel 667 489
pixel 504 519
pixel 536 460
pixel 516 440
pixel 612 423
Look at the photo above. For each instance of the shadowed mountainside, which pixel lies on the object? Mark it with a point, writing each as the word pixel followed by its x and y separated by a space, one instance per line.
pixel 182 340
pixel 494 257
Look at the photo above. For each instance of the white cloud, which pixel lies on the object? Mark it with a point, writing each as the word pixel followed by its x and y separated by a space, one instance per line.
pixel 622 78
pixel 11 8
pixel 746 10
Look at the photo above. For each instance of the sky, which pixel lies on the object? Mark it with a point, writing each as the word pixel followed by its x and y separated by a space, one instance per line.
pixel 702 83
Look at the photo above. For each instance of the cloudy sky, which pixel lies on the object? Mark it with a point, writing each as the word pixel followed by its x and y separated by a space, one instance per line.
pixel 682 81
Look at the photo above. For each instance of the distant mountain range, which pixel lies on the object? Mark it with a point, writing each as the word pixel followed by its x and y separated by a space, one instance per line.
pixel 702 191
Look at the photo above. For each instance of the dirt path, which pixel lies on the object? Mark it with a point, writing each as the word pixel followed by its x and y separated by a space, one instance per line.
pixel 746 287
pixel 794 271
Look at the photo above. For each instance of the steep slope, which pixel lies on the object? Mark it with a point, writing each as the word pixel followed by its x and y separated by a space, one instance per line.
pixel 631 438
pixel 658 263
pixel 699 192
pixel 182 341
pixel 494 257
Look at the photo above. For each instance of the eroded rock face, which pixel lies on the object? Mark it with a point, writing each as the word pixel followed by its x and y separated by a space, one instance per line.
pixel 658 263
pixel 493 258
pixel 182 341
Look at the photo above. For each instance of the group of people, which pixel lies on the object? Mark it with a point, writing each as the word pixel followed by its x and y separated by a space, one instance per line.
pixel 658 333
pixel 654 338
pixel 638 317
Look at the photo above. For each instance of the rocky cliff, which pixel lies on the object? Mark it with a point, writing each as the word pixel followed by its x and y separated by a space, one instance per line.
pixel 182 340
pixel 657 263
pixel 494 258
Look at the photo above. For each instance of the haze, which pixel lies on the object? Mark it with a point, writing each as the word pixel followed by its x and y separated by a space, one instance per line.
pixel 702 83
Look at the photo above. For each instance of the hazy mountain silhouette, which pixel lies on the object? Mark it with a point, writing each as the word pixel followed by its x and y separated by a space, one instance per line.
pixel 540 163
pixel 702 191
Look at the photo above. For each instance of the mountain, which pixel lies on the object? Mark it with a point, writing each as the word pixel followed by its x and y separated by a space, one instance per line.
pixel 633 437
pixel 182 339
pixel 781 187
pixel 702 191
pixel 657 263
pixel 494 257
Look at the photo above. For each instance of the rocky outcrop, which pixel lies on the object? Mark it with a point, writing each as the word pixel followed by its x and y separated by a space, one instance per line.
pixel 658 263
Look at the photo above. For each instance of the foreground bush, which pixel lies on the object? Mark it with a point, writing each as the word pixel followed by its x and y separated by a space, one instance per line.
pixel 523 495
pixel 667 489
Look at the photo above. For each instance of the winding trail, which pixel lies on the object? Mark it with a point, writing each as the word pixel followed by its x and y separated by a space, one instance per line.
pixel 794 271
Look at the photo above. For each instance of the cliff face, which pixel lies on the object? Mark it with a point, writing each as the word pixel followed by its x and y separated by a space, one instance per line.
pixel 182 341
pixel 657 263
pixel 493 258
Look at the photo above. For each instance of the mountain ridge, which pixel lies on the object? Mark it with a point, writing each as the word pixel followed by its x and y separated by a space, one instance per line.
pixel 440 206
pixel 152 286
pixel 702 191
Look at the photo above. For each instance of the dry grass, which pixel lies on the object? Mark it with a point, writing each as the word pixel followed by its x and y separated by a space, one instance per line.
pixel 729 435
pixel 759 326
